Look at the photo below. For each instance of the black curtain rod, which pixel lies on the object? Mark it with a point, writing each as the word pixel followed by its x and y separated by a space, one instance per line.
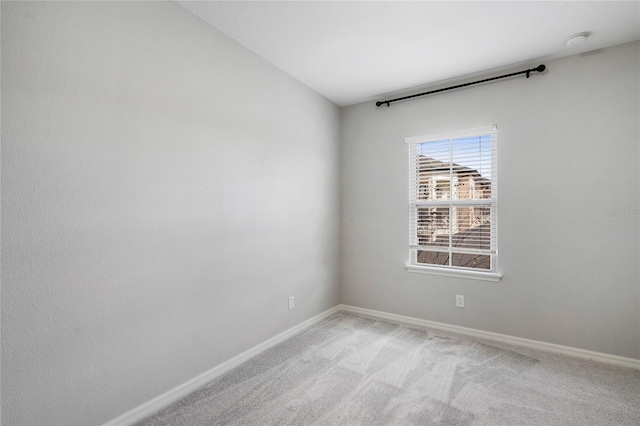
pixel 539 68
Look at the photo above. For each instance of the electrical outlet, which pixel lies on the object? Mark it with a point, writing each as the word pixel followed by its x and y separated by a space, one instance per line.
pixel 459 301
pixel 291 302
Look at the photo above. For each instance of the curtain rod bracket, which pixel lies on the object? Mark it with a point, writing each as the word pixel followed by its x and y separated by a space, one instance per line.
pixel 539 68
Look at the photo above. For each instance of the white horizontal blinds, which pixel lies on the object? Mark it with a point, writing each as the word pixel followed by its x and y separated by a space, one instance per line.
pixel 453 199
pixel 433 170
pixel 472 160
pixel 432 226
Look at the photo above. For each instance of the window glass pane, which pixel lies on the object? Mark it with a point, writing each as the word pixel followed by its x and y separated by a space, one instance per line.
pixel 472 227
pixel 433 226
pixel 433 168
pixel 471 159
pixel 433 258
pixel 475 261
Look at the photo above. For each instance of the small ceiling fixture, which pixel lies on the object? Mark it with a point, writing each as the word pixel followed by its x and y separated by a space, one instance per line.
pixel 576 39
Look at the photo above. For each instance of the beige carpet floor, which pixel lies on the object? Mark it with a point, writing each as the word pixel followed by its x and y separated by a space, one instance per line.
pixel 354 370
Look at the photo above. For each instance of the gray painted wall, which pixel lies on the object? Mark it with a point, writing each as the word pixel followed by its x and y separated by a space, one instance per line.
pixel 164 190
pixel 568 150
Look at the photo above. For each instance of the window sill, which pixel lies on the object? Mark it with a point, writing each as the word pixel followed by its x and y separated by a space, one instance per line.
pixel 455 273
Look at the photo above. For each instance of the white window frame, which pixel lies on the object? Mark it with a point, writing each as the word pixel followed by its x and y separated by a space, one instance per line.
pixel 448 270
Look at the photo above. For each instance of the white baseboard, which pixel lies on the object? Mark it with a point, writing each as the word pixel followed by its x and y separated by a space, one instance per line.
pixel 186 388
pixel 503 338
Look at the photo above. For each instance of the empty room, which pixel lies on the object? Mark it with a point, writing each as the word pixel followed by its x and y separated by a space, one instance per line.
pixel 320 213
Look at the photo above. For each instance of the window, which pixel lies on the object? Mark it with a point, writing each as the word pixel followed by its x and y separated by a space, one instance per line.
pixel 453 203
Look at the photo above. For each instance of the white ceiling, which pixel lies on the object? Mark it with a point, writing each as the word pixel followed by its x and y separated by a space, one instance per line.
pixel 352 52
